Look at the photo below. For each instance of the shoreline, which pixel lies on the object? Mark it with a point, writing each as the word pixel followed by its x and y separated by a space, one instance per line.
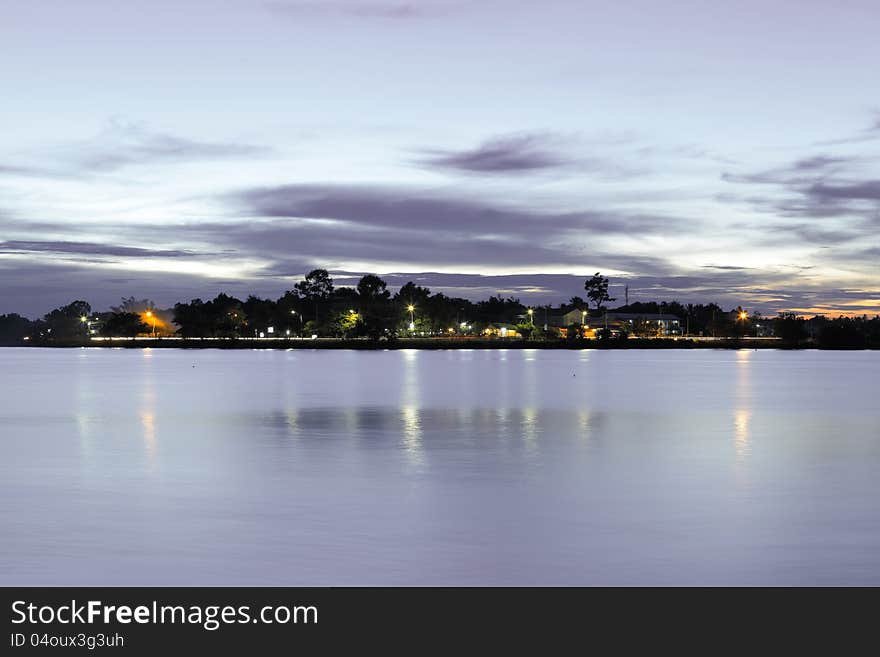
pixel 433 344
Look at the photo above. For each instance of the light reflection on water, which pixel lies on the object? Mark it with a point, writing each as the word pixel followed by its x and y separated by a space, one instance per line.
pixel 438 467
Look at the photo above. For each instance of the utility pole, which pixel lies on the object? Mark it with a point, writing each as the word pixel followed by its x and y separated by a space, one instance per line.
pixel 626 294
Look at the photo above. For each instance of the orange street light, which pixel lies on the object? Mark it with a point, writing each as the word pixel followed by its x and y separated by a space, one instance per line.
pixel 150 315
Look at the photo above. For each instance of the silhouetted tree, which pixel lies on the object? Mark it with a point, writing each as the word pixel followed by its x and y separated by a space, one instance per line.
pixel 597 290
pixel 260 314
pixel 193 319
pixel 790 328
pixel 132 305
pixel 14 328
pixel 316 289
pixel 123 324
pixel 68 322
pixel 377 317
pixel 842 333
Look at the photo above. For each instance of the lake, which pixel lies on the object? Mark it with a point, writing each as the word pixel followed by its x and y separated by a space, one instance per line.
pixel 460 467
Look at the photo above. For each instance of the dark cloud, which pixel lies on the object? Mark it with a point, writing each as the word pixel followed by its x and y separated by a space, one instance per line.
pixel 819 162
pixel 868 190
pixel 799 172
pixel 281 241
pixel 506 154
pixel 385 207
pixel 819 187
pixel 33 288
pixel 87 248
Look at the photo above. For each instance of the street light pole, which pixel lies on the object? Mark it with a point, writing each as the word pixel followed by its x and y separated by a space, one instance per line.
pixel 412 318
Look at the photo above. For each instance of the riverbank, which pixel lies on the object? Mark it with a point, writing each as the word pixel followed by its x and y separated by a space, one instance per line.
pixel 426 343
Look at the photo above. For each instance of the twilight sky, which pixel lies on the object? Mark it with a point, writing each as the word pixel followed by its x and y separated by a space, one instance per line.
pixel 692 150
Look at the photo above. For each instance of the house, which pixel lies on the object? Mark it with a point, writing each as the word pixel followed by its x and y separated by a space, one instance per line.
pixel 648 324
pixel 500 330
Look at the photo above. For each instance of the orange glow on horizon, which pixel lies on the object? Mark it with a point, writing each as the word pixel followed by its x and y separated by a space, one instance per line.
pixel 152 319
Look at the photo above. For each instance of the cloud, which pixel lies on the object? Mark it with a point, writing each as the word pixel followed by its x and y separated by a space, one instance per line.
pixel 434 212
pixel 505 154
pixel 799 172
pixel 819 162
pixel 87 248
pixel 869 133
pixel 819 187
pixel 34 288
pixel 124 144
pixel 868 190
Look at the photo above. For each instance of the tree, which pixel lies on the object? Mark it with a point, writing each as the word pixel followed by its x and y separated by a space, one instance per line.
pixel 415 296
pixel 790 328
pixel 132 305
pixel 289 312
pixel 597 290
pixel 193 319
pixel 67 322
pixel 316 289
pixel 374 302
pixel 261 314
pixel 13 328
pixel 227 315
pixel 123 324
pixel 842 333
pixel 525 329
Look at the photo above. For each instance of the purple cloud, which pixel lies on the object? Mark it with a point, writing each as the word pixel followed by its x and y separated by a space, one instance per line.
pixel 515 153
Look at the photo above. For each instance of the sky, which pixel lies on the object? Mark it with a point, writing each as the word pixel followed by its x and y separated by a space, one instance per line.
pixel 697 151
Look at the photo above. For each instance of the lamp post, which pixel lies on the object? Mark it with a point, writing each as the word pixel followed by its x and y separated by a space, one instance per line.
pixel 531 313
pixel 412 318
pixel 151 316
pixel 743 316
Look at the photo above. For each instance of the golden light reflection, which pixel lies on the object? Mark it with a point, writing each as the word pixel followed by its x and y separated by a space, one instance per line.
pixel 292 419
pixel 412 434
pixel 148 422
pixel 410 408
pixel 743 398
pixel 530 428
pixel 584 418
pixel 741 433
pixel 148 407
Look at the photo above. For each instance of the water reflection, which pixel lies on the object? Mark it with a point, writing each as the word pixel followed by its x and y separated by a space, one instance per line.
pixel 439 468
pixel 409 410
pixel 148 407
pixel 84 396
pixel 743 402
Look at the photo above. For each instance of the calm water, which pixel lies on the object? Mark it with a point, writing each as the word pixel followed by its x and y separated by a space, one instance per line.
pixel 157 467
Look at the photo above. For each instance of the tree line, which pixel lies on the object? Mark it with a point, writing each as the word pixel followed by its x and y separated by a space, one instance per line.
pixel 316 306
